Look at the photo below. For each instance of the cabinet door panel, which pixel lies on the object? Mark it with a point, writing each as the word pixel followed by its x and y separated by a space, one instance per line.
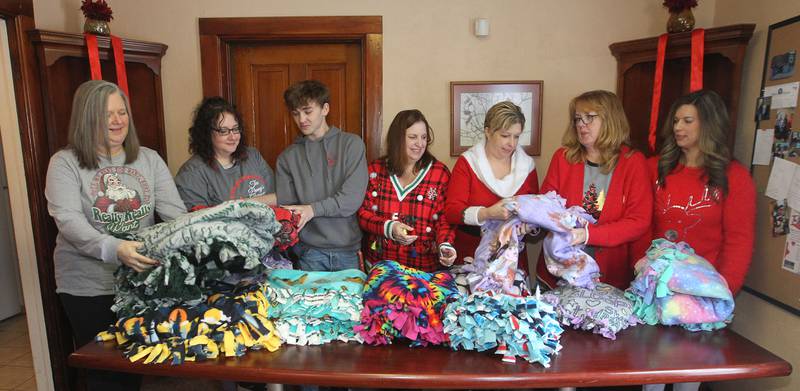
pixel 722 72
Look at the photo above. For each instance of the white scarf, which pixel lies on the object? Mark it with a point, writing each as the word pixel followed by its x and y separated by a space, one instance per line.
pixel 521 166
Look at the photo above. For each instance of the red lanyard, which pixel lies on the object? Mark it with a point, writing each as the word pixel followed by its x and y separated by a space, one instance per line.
pixel 695 78
pixel 119 60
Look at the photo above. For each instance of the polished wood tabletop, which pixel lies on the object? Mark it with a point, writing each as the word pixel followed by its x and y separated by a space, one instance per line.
pixel 640 355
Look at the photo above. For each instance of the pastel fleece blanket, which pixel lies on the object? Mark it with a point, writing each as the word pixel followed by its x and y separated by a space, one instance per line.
pixel 675 286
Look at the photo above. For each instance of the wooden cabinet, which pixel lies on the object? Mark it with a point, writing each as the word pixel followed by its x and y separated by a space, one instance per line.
pixel 64 65
pixel 724 56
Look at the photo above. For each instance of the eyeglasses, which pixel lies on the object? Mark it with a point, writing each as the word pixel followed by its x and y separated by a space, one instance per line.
pixel 586 119
pixel 226 131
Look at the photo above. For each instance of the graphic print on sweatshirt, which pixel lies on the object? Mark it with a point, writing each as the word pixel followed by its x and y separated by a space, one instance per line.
pixel 248 186
pixel 681 216
pixel 593 201
pixel 595 188
pixel 121 199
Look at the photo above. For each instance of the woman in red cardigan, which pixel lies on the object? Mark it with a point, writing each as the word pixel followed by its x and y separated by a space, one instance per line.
pixel 702 196
pixel 597 170
pixel 402 212
pixel 487 175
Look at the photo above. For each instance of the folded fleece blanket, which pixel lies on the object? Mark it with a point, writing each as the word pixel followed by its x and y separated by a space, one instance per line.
pixel 675 286
pixel 227 324
pixel 199 251
pixel 403 302
pixel 312 308
pixel 515 326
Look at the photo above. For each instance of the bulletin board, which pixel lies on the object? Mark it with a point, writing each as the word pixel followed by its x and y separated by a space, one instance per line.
pixel 775 271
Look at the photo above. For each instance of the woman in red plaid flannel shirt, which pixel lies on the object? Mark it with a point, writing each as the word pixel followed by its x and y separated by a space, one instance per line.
pixel 403 210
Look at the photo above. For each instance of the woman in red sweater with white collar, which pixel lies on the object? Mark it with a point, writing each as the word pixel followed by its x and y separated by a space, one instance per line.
pixel 486 176
pixel 702 196
pixel 597 170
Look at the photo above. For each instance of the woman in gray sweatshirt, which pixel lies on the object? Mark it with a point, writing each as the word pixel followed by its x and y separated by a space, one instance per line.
pixel 222 167
pixel 101 186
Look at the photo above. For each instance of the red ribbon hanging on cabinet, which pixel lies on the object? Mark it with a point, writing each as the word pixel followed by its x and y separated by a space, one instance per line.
pixel 695 78
pixel 119 60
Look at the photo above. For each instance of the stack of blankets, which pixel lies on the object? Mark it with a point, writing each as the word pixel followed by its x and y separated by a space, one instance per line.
pixel 208 295
pixel 499 312
pixel 228 324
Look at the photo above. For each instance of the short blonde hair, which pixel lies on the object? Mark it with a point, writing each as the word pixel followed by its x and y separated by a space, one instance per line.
pixel 502 115
pixel 614 131
pixel 88 123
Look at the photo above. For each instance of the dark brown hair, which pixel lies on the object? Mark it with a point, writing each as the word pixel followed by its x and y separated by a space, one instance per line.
pixel 396 158
pixel 712 140
pixel 207 116
pixel 304 92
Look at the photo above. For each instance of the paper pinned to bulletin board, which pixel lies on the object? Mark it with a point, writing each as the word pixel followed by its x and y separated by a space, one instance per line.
pixel 775 271
pixel 791 256
pixel 783 95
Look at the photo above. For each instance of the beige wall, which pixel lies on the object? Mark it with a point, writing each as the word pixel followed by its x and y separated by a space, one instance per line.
pixel 759 321
pixel 427 44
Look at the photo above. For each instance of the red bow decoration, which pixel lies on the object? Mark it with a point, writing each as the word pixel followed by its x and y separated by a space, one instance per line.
pixel 119 60
pixel 695 81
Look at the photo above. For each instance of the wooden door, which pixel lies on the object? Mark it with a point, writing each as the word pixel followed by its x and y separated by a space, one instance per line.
pixel 262 72
pixel 219 38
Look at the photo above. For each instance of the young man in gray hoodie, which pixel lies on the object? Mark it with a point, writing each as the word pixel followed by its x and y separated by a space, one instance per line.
pixel 322 177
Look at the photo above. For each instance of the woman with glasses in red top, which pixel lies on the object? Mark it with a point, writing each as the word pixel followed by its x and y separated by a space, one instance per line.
pixel 597 170
pixel 222 166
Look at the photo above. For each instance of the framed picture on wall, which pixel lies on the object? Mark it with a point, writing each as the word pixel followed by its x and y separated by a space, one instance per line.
pixel 470 100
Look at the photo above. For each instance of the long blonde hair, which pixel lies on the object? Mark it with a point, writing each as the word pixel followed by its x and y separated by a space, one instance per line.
pixel 614 131
pixel 88 124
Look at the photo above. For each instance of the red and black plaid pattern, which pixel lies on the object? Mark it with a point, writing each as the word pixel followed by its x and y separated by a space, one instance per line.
pixel 422 208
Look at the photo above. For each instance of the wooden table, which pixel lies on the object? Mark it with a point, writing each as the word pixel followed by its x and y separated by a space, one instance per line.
pixel 640 355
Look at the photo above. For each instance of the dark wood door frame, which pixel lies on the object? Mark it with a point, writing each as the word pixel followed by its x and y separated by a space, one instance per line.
pixel 218 34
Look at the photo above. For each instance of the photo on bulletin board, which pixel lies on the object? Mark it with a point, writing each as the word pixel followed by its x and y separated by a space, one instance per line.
pixel 782 65
pixel 774 273
pixel 794 141
pixel 780 218
pixel 762 108
pixel 783 124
